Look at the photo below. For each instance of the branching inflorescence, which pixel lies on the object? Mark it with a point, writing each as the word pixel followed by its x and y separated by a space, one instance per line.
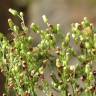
pixel 24 65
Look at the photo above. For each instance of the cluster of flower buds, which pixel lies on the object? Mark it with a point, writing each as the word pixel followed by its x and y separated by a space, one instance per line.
pixel 25 66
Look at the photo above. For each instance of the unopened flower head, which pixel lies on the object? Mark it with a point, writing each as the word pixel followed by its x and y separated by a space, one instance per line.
pixel 45 19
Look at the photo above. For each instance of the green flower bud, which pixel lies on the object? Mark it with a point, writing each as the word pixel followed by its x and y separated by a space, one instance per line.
pixel 73 35
pixel 52 43
pixel 45 19
pixel 34 27
pixel 13 12
pixel 10 79
pixel 41 70
pixel 58 64
pixel 65 62
pixel 87 45
pixel 54 84
pixel 15 28
pixel 83 23
pixel 81 38
pixel 87 31
pixel 14 69
pixel 86 22
pixel 76 26
pixel 73 68
pixel 82 57
pixel 90 76
pixel 28 53
pixel 87 68
pixel 11 24
pixel 58 27
pixel 67 38
pixel 22 46
pixel 59 87
pixel 24 27
pixel 21 14
pixel 29 38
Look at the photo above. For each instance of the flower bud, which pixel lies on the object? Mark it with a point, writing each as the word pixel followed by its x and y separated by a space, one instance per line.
pixel 87 45
pixel 21 14
pixel 45 19
pixel 72 68
pixel 77 25
pixel 15 28
pixel 58 27
pixel 29 53
pixel 67 38
pixel 90 76
pixel 58 64
pixel 41 70
pixel 87 68
pixel 54 84
pixel 59 87
pixel 87 31
pixel 82 57
pixel 13 12
pixel 34 27
pixel 86 21
pixel 29 38
pixel 10 22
